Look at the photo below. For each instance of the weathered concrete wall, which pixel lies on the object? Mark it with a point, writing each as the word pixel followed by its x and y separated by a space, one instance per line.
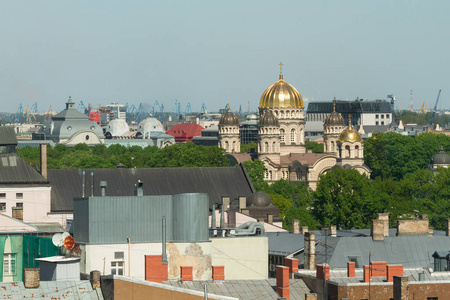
pixel 243 257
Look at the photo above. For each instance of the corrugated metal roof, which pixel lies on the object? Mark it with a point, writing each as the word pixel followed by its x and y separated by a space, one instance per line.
pixel 69 290
pixel 246 289
pixel 216 182
pixel 7 136
pixel 14 170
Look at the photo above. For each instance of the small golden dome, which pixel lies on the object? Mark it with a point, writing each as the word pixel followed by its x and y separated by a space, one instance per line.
pixel 229 118
pixel 268 119
pixel 349 134
pixel 281 95
pixel 334 118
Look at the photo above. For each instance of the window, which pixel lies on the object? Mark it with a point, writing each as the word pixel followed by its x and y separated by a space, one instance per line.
pixel 19 195
pixel 382 116
pixel 117 267
pixel 388 116
pixel 282 135
pixel 2 206
pixel 376 116
pixel 2 195
pixel 292 135
pixel 266 147
pixel 382 122
pixel 118 255
pixel 432 298
pixel 9 264
pixel 19 204
pixel 376 123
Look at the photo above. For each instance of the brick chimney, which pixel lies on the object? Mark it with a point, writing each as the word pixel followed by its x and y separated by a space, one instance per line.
pixel 333 231
pixel 218 273
pixel 323 272
pixel 94 278
pixel 400 287
pixel 351 269
pixel 419 226
pixel 295 226
pixel 43 158
pixel 186 273
pixel 377 230
pixel 447 231
pixel 292 264
pixel 31 278
pixel 283 282
pixel 310 250
pixel 384 217
pixel 303 229
pixel 394 270
pixel 17 213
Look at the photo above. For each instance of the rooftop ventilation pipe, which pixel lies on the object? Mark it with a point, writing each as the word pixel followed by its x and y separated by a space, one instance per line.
pixel 222 217
pixel 92 184
pixel 138 191
pixel 213 216
pixel 83 175
pixel 103 185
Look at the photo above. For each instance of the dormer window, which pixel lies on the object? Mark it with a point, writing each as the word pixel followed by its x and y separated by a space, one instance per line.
pixel 441 261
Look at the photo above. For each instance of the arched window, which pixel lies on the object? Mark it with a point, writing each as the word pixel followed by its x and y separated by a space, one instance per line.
pixel 356 151
pixel 282 135
pixel 298 172
pixel 234 146
pixel 266 147
pixel 332 149
pixel 266 174
pixel 347 151
pixel 274 147
pixel 270 175
pixel 292 136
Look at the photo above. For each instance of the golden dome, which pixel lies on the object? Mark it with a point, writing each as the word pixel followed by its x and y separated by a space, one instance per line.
pixel 349 134
pixel 229 118
pixel 268 119
pixel 281 95
pixel 334 118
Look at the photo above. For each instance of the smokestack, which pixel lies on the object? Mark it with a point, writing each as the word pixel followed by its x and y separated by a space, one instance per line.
pixel 138 190
pixel 310 250
pixel 103 185
pixel 44 160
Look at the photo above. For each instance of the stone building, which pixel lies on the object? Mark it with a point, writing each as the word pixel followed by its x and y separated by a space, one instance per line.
pixel 281 138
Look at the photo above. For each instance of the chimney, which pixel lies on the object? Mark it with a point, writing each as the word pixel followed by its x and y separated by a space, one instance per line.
pixel 351 269
pixel 138 190
pixel 94 278
pixel 44 160
pixel 213 216
pixel 186 273
pixel 385 218
pixel 222 217
pixel 226 203
pixel 269 218
pixel 323 272
pixel 413 226
pixel 295 226
pixel 377 230
pixel 366 274
pixel 242 203
pixel 245 212
pixel 261 220
pixel 103 185
pixel 283 282
pixel 447 231
pixel 430 231
pixel 218 273
pixel 292 264
pixel 17 213
pixel 400 287
pixel 310 250
pixel 303 229
pixel 31 278
pixel 333 231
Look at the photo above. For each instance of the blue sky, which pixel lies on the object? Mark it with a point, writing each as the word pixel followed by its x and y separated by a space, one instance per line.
pixel 216 52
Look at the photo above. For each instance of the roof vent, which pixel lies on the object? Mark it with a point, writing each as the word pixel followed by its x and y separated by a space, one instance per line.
pixel 138 191
pixel 103 185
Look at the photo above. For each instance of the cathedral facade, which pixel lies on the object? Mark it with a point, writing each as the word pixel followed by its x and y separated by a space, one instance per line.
pixel 281 139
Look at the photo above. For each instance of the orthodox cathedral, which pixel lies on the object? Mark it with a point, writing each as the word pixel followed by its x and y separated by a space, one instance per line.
pixel 281 139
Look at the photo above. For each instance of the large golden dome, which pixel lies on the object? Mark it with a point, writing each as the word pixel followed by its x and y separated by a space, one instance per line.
pixel 281 95
pixel 349 134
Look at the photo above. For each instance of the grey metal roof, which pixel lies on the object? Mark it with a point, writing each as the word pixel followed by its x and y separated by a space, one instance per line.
pixel 35 143
pixel 69 290
pixel 408 250
pixel 7 136
pixel 285 243
pixel 246 289
pixel 350 106
pixel 216 182
pixel 14 170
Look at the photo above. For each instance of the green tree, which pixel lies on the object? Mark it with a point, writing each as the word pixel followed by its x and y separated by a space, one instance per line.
pixel 245 148
pixel 255 171
pixel 347 199
pixel 314 146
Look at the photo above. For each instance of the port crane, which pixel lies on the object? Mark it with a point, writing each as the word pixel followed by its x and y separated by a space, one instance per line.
pixel 435 107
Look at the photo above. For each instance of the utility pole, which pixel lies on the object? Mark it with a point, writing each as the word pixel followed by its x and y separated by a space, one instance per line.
pixel 326 264
pixel 370 271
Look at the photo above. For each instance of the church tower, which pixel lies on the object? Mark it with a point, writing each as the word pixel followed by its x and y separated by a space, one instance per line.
pixel 351 148
pixel 333 125
pixel 269 137
pixel 229 132
pixel 286 104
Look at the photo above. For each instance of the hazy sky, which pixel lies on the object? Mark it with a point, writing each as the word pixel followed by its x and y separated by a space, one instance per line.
pixel 216 52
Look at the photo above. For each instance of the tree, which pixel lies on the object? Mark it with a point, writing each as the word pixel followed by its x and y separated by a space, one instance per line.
pixel 255 171
pixel 250 147
pixel 314 146
pixel 347 199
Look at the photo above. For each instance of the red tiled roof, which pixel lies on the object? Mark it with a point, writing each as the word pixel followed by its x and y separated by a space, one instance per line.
pixel 185 131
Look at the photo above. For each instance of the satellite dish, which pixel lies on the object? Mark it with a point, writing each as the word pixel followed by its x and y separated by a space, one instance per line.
pixel 64 235
pixel 58 240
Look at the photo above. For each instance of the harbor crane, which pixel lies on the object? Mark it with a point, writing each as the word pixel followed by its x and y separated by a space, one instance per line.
pixel 435 108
